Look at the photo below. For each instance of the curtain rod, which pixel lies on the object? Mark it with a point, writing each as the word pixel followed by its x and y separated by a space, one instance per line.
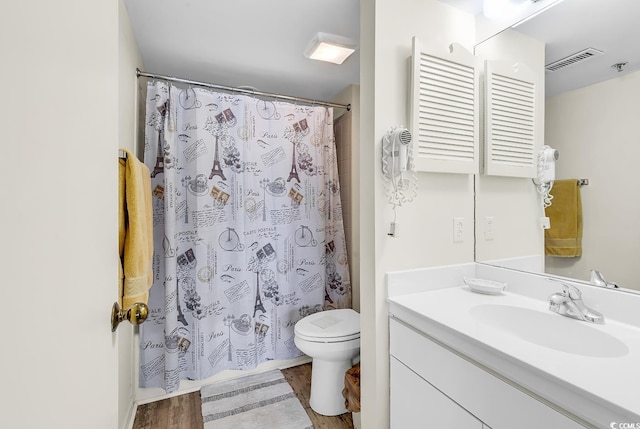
pixel 140 73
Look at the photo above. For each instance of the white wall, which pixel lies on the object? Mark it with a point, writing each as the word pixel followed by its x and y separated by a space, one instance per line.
pixel 60 134
pixel 596 131
pixel 130 59
pixel 425 234
pixel 513 203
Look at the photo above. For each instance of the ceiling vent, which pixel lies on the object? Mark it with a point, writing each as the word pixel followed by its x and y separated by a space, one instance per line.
pixel 585 54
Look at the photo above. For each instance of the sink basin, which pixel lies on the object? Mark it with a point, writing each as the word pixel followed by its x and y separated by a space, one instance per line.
pixel 550 330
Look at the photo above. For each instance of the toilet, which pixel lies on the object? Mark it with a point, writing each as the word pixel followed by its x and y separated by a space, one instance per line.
pixel 332 339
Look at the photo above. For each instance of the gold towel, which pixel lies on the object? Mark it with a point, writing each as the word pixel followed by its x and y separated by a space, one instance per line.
pixel 136 231
pixel 564 238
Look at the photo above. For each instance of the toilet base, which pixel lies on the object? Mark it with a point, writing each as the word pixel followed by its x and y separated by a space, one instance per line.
pixel 327 382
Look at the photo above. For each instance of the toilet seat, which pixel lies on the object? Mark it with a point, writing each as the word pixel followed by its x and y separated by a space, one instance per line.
pixel 328 339
pixel 331 326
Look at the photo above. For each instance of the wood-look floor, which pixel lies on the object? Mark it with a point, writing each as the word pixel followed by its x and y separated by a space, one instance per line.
pixel 184 411
pixel 299 377
pixel 178 412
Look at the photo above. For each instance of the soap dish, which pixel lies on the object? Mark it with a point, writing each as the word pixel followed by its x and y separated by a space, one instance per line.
pixel 487 287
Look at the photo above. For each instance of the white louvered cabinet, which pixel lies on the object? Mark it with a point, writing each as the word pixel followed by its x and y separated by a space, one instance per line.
pixel 512 137
pixel 445 109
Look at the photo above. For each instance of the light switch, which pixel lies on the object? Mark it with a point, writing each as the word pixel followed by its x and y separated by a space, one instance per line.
pixel 458 229
pixel 489 228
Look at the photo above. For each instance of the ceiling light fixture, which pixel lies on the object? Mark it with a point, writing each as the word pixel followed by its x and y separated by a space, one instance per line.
pixel 330 47
pixel 503 9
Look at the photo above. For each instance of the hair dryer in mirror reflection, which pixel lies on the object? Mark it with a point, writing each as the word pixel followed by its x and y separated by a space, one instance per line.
pixel 398 169
pixel 546 173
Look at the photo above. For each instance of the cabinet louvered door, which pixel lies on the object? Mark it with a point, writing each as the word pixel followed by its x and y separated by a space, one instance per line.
pixel 445 109
pixel 511 120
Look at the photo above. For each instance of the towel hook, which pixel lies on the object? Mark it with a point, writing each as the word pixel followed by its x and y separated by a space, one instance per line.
pixel 136 314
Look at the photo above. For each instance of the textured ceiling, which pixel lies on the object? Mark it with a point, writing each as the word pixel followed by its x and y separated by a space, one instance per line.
pixel 261 43
pixel 569 26
pixel 610 26
pixel 247 42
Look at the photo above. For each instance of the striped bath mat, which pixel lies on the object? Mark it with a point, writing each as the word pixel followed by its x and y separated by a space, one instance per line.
pixel 257 401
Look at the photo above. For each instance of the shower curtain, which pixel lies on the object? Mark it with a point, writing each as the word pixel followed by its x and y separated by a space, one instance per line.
pixel 248 230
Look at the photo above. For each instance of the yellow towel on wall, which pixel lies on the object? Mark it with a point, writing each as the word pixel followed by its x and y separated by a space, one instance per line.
pixel 136 231
pixel 564 238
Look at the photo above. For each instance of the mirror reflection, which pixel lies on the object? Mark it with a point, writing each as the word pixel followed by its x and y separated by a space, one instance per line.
pixel 592 110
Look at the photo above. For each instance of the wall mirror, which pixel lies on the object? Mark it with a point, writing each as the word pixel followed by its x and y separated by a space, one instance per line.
pixel 592 111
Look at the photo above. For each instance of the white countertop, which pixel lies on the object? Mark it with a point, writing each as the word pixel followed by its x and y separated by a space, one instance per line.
pixel 599 390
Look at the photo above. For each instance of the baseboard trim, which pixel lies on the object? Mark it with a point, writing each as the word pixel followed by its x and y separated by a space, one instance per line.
pixel 132 416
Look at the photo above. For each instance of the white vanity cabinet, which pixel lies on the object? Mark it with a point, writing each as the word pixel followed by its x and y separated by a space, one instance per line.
pixel 417 404
pixel 434 387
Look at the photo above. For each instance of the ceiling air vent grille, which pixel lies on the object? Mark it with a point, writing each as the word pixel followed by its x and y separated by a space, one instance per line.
pixel 585 54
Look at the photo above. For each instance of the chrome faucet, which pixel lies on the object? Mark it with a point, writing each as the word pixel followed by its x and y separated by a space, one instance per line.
pixel 598 279
pixel 569 303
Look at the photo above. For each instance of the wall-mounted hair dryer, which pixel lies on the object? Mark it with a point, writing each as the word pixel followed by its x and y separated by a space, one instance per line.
pixel 397 167
pixel 546 165
pixel 546 173
pixel 395 152
pixel 401 138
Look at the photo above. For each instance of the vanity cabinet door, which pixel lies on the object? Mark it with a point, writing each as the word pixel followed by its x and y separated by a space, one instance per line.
pixel 417 404
pixel 486 396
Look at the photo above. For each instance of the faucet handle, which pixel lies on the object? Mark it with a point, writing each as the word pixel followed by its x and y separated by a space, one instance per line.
pixel 597 278
pixel 569 290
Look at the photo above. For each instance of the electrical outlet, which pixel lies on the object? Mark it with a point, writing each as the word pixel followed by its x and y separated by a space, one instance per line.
pixel 489 228
pixel 458 229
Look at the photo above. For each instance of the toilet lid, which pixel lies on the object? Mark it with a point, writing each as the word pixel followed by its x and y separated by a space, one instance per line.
pixel 339 324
